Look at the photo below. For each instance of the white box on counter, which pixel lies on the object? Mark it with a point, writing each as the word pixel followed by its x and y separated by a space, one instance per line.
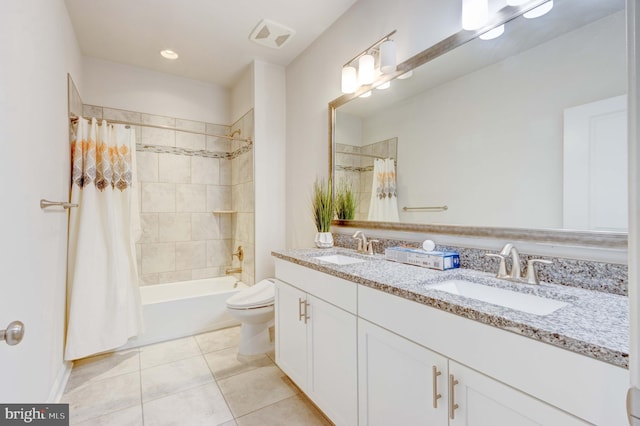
pixel 441 260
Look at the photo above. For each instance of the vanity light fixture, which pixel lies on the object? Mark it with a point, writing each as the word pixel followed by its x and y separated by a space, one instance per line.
pixel 493 33
pixel 384 85
pixel 475 13
pixel 169 54
pixel 406 75
pixel 382 53
pixel 537 12
pixel 365 94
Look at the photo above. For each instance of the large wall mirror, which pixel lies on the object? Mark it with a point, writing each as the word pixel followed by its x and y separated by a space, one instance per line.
pixel 523 135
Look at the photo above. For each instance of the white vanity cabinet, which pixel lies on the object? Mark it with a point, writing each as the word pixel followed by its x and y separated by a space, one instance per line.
pixel 316 338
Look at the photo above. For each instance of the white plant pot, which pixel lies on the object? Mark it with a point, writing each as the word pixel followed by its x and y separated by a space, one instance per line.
pixel 324 240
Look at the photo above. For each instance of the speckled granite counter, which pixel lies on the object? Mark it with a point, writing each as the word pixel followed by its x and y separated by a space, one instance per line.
pixel 594 323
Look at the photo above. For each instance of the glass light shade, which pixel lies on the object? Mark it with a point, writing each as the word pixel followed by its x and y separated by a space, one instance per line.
pixel 384 85
pixel 539 11
pixel 516 2
pixel 366 69
pixel 475 14
pixel 349 80
pixel 494 33
pixel 366 94
pixel 388 57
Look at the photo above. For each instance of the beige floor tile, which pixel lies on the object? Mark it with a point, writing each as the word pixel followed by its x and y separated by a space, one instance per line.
pixel 296 410
pixel 131 416
pixel 101 367
pixel 255 389
pixel 203 405
pixel 174 377
pixel 230 423
pixel 225 363
pixel 166 352
pixel 97 398
pixel 219 339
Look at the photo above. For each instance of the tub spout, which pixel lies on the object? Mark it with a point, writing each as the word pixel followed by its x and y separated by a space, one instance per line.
pixel 233 271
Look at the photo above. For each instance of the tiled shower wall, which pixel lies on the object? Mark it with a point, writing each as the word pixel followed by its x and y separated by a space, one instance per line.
pixel 181 184
pixel 358 169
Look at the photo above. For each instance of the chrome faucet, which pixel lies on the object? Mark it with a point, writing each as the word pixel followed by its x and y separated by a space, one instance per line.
pixel 363 245
pixel 510 249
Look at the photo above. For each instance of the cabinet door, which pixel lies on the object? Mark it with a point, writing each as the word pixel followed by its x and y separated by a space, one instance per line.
pixel 291 332
pixel 332 346
pixel 483 401
pixel 397 380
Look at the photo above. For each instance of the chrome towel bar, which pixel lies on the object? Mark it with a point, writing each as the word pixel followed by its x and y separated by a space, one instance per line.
pixel 46 204
pixel 426 209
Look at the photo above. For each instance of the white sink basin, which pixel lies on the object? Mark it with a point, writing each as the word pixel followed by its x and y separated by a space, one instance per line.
pixel 509 299
pixel 339 259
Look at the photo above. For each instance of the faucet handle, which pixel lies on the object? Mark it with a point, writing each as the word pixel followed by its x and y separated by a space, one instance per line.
pixel 532 275
pixel 502 268
pixel 370 246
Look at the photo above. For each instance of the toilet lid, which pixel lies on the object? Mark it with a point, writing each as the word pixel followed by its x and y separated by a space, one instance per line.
pixel 260 294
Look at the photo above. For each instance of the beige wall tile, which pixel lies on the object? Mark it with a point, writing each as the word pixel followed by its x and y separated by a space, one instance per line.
pixel 174 227
pixel 152 136
pixel 174 276
pixel 205 226
pixel 191 255
pixel 149 223
pixel 205 170
pixel 217 144
pixel 174 168
pixel 191 198
pixel 218 197
pixel 225 171
pixel 218 252
pixel 147 166
pixel 224 224
pixel 198 274
pixel 190 140
pixel 158 197
pixel 148 279
pixel 158 257
pixel 216 129
pixel 194 126
pixel 157 120
pixel 120 115
pixel 244 227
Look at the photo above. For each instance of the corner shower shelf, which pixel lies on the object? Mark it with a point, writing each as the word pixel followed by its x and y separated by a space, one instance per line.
pixel 224 211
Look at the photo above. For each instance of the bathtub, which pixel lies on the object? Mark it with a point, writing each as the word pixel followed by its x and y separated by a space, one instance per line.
pixel 185 308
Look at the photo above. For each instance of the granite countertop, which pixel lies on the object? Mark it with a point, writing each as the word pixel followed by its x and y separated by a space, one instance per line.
pixel 593 323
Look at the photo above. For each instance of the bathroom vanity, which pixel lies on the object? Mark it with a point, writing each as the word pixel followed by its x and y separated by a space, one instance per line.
pixel 373 342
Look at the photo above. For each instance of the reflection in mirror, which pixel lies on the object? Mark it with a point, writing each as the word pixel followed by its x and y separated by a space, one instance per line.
pixel 524 131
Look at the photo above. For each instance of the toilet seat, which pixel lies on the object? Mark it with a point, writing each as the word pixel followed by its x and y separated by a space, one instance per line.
pixel 256 296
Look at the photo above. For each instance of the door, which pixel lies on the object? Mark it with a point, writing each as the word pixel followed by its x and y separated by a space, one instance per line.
pixel 595 166
pixel 401 382
pixel 333 356
pixel 291 332
pixel 482 401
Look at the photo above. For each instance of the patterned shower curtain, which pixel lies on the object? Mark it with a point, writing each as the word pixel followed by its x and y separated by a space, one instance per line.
pixel 384 198
pixel 103 299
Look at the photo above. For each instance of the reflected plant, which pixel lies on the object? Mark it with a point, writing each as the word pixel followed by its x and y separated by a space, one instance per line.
pixel 346 202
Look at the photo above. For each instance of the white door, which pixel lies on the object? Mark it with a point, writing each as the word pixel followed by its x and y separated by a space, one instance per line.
pixel 482 401
pixel 401 382
pixel 333 351
pixel 595 166
pixel 291 332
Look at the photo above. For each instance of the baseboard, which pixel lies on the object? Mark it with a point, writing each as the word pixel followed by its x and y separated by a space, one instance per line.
pixel 57 390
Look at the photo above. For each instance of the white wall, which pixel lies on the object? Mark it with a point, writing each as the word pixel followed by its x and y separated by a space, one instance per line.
pixel 242 95
pixel 137 89
pixel 39 48
pixel 270 159
pixel 502 163
pixel 313 80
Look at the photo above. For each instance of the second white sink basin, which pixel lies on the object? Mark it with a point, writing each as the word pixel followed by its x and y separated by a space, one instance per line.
pixel 339 259
pixel 529 303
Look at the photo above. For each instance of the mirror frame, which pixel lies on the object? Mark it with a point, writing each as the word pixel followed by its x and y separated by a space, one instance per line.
pixel 600 239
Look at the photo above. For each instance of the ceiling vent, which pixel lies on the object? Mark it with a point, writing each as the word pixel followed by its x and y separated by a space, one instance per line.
pixel 271 34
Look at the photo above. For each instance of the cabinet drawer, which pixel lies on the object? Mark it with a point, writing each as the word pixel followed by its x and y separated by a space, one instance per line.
pixel 338 292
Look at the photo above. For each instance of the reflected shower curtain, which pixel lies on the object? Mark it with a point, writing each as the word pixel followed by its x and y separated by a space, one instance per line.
pixel 384 198
pixel 103 299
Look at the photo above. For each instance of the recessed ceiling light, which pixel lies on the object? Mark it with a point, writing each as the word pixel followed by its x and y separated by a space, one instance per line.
pixel 169 54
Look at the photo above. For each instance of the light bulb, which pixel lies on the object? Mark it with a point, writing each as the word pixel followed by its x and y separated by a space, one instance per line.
pixel 494 33
pixel 475 14
pixel 349 79
pixel 537 12
pixel 388 57
pixel 169 54
pixel 366 69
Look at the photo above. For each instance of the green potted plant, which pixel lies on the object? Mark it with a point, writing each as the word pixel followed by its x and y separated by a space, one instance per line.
pixel 346 203
pixel 322 206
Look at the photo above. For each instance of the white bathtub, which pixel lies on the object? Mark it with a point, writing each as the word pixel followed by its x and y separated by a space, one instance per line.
pixel 185 308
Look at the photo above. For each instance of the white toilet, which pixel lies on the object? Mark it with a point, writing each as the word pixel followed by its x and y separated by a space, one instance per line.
pixel 253 307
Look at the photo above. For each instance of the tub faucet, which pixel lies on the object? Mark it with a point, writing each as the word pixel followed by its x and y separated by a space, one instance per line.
pixel 362 241
pixel 239 252
pixel 510 250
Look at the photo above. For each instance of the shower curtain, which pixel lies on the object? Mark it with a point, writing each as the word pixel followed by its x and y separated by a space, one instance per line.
pixel 384 198
pixel 103 299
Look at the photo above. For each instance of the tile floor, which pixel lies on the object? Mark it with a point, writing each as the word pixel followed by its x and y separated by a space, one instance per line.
pixel 191 381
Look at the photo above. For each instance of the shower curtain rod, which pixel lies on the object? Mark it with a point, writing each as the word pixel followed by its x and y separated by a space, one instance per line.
pixel 365 155
pixel 73 117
